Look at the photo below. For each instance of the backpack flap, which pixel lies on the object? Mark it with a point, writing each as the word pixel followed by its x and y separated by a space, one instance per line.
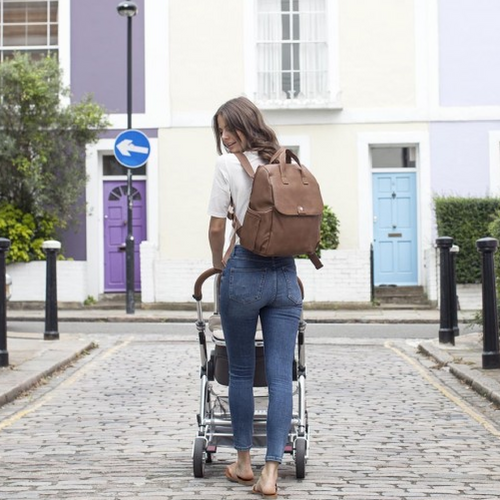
pixel 300 195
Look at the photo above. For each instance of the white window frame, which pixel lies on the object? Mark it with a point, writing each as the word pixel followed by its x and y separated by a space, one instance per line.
pixel 250 33
pixel 301 142
pixel 31 48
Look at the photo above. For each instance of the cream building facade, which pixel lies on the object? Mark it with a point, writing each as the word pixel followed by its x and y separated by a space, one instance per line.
pixel 388 102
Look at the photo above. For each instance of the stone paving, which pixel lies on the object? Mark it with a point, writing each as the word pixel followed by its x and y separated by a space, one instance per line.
pixel 120 424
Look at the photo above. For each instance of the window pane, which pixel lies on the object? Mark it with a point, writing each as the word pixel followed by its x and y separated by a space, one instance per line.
pixel 37 55
pixel 296 84
pixel 296 28
pixel 296 56
pixel 285 5
pixel 315 27
pixel 111 167
pixel 294 149
pixel 7 55
pixel 36 12
pixel 393 157
pixel 14 36
pixel 54 34
pixel 286 83
pixel 53 12
pixel 286 56
pixel 285 24
pixel 14 12
pixel 269 27
pixel 37 34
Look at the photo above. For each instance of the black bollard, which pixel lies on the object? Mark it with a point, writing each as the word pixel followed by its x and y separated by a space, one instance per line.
pixel 453 291
pixel 444 244
pixel 4 353
pixel 491 353
pixel 51 325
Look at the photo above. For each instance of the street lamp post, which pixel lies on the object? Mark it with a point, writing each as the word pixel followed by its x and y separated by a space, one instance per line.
pixel 129 10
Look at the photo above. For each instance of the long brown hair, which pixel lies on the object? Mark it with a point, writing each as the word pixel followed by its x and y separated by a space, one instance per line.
pixel 242 115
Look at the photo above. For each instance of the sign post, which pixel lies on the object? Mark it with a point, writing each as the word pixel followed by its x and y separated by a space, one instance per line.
pixel 132 150
pixel 129 9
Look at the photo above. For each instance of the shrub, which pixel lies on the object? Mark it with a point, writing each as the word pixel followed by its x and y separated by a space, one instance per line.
pixel 329 239
pixel 466 220
pixel 494 231
pixel 25 232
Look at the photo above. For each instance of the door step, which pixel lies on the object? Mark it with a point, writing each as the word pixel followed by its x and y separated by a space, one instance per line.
pixel 114 301
pixel 402 297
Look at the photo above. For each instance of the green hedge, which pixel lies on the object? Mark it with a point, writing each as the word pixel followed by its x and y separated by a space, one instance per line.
pixel 494 232
pixel 466 220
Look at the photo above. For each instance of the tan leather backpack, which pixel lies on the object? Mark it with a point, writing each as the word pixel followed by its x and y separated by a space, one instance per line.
pixel 285 209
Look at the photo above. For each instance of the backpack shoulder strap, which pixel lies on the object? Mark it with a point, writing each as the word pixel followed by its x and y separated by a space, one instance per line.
pixel 245 163
pixel 247 166
pixel 313 257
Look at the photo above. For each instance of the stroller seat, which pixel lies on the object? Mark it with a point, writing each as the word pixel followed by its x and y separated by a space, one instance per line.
pixel 215 327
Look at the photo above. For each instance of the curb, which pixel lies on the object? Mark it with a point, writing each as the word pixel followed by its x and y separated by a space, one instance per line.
pixel 486 387
pixel 311 319
pixel 481 384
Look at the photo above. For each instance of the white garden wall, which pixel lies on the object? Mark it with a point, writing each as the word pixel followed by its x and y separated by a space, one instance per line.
pixel 345 277
pixel 29 281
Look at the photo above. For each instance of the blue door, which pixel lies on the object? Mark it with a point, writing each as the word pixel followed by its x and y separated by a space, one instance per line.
pixel 395 229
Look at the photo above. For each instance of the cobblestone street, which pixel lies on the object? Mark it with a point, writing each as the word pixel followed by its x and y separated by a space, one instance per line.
pixel 120 424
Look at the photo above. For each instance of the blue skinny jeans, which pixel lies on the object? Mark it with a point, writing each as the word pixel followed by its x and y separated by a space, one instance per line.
pixel 253 286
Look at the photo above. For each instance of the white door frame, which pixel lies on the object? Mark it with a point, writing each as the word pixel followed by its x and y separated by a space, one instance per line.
pixel 419 139
pixel 95 209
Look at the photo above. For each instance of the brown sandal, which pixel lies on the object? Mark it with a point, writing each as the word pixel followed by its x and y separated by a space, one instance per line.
pixel 237 479
pixel 265 495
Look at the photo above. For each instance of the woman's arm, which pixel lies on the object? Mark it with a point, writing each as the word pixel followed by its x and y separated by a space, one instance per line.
pixel 216 235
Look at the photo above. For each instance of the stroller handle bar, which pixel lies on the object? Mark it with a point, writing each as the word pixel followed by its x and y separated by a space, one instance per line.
pixel 197 295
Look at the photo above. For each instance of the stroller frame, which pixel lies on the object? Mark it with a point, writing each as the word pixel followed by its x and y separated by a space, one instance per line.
pixel 214 419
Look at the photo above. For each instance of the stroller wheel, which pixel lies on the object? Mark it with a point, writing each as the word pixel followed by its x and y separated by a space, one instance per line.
pixel 300 457
pixel 199 457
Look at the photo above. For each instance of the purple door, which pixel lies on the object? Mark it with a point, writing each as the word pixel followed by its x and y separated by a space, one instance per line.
pixel 115 232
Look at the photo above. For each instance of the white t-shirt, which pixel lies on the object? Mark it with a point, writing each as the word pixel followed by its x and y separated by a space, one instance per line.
pixel 230 179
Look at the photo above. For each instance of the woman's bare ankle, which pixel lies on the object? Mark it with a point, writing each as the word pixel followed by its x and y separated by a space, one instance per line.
pixel 244 464
pixel 269 477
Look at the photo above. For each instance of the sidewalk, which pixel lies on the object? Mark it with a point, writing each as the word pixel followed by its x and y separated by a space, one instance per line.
pixel 327 315
pixel 31 358
pixel 464 360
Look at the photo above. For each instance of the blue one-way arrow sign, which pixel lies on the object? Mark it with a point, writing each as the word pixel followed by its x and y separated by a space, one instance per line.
pixel 132 148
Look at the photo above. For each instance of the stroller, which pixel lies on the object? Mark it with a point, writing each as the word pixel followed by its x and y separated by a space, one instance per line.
pixel 214 419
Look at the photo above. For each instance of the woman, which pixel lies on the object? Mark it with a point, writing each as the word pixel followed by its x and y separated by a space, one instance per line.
pixel 251 287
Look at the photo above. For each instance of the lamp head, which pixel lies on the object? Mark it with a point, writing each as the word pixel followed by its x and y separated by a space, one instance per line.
pixel 127 9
